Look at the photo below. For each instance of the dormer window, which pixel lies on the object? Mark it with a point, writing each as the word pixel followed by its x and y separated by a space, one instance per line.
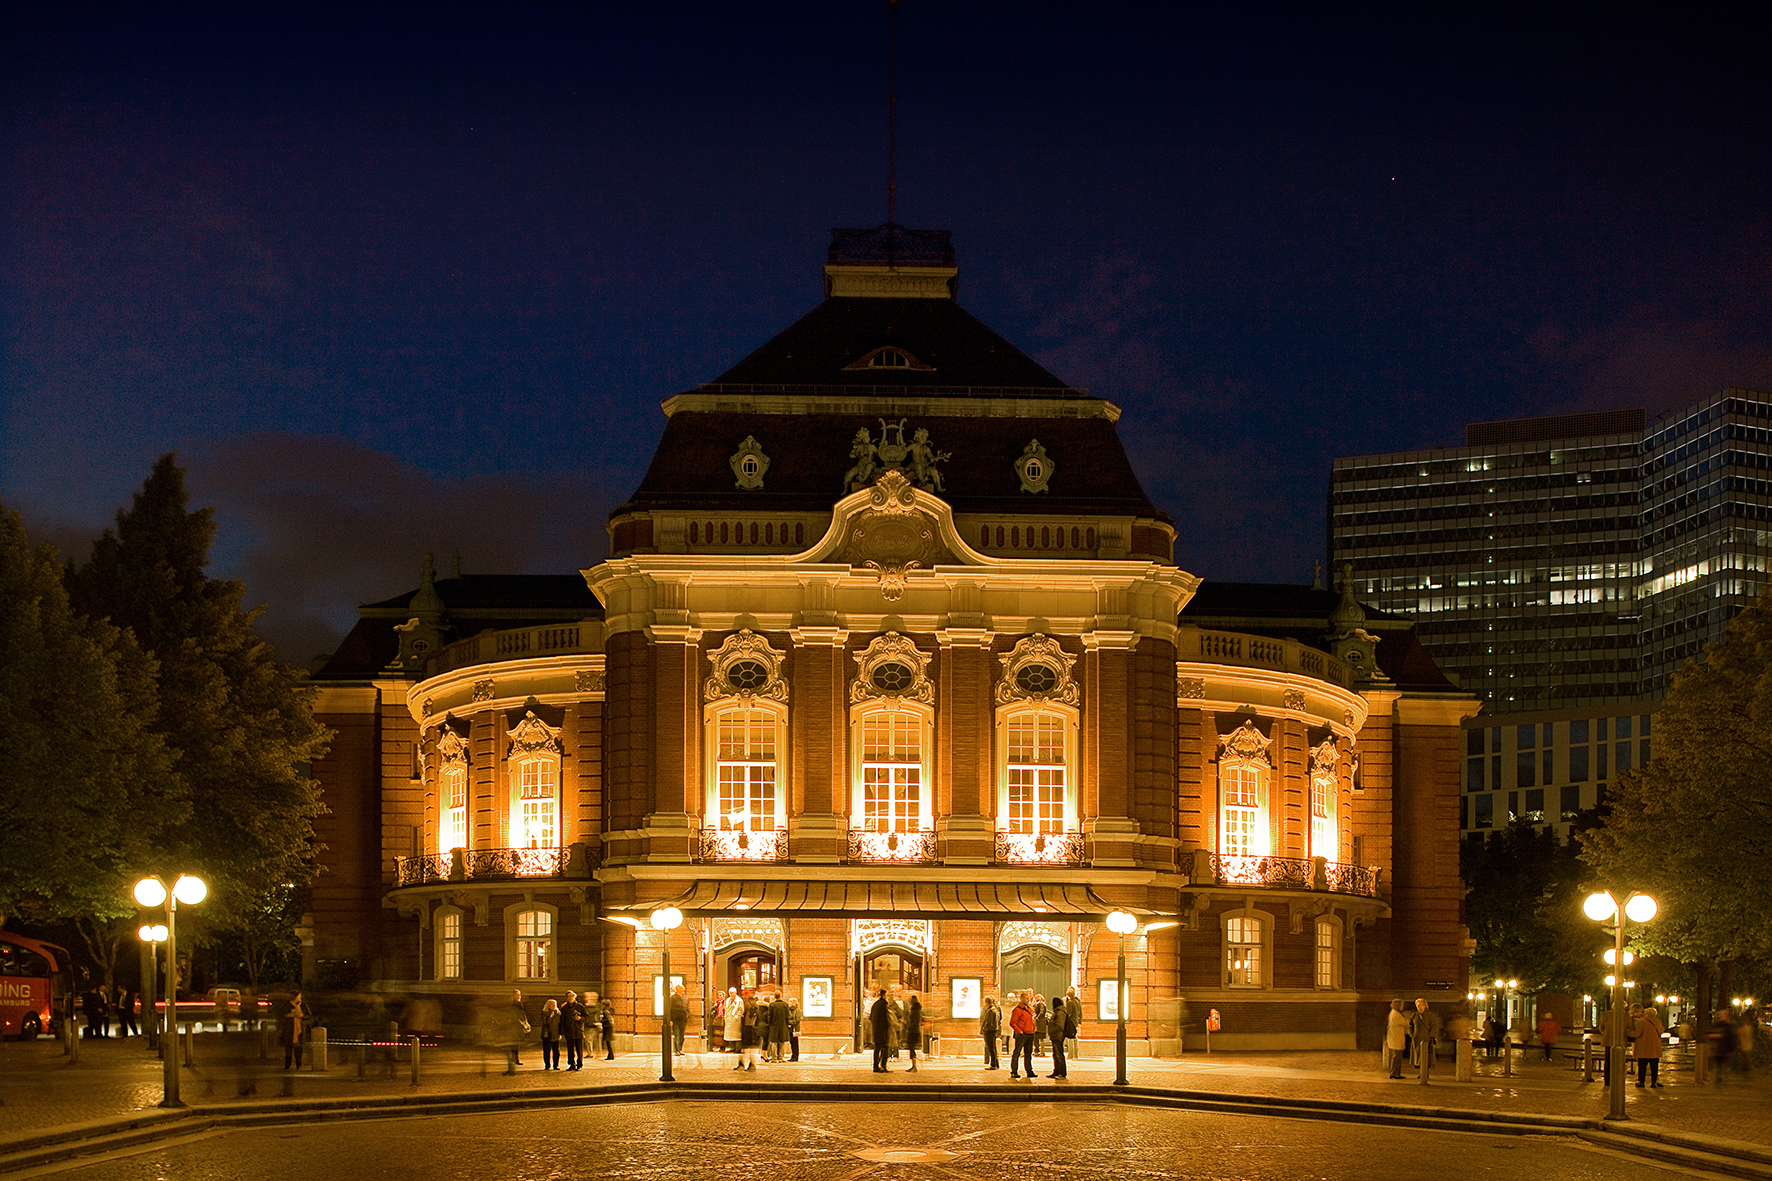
pixel 888 357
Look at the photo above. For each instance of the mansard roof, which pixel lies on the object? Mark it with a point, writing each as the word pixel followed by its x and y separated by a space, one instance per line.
pixel 951 353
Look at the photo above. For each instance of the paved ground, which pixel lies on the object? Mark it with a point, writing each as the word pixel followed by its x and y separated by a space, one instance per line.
pixel 39 1089
pixel 803 1142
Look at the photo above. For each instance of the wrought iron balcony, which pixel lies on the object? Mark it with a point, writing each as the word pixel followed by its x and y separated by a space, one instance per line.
pixel 1040 848
pixel 867 845
pixel 740 844
pixel 1287 873
pixel 479 864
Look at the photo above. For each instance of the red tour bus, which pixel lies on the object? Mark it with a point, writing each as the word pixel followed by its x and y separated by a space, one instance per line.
pixel 33 979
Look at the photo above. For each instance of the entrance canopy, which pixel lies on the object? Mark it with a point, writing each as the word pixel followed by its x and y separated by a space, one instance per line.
pixel 982 900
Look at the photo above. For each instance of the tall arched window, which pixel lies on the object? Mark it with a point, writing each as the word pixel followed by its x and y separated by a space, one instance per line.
pixel 1243 772
pixel 746 740
pixel 452 810
pixel 1037 748
pixel 535 784
pixel 1325 790
pixel 892 723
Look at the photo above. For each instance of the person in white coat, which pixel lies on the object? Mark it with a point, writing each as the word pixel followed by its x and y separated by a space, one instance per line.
pixel 734 1016
pixel 1396 1039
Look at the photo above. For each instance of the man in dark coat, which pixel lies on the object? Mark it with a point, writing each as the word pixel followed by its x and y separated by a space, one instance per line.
pixel 913 1028
pixel 880 1023
pixel 1424 1031
pixel 778 1028
pixel 679 1010
pixel 573 1017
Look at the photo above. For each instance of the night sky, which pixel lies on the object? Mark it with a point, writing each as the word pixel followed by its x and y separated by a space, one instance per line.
pixel 396 280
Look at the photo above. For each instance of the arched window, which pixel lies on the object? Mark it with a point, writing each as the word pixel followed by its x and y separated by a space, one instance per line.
pixel 530 941
pixel 535 784
pixel 448 927
pixel 1328 953
pixel 1245 949
pixel 452 803
pixel 1037 746
pixel 1243 772
pixel 1325 790
pixel 746 737
pixel 891 729
pixel 1035 772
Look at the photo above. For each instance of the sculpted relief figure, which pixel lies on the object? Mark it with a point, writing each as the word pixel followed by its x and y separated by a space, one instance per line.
pixel 924 457
pixel 866 457
pixel 916 458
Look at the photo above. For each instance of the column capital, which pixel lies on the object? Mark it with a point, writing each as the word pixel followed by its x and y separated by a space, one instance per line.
pixel 818 637
pixel 1103 640
pixel 965 637
pixel 673 633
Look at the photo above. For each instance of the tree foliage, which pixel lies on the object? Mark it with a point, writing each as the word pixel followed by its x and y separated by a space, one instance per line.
pixel 86 786
pixel 1693 827
pixel 1522 906
pixel 239 723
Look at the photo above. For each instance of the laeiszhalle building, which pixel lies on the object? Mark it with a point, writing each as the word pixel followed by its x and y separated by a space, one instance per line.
pixel 892 676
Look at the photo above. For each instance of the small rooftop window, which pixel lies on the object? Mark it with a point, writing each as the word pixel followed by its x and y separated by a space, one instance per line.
pixel 888 357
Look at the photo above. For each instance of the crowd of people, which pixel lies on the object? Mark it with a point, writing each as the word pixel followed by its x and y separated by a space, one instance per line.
pixel 761 1027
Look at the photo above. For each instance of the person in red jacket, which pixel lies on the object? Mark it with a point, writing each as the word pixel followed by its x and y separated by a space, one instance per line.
pixel 1021 1021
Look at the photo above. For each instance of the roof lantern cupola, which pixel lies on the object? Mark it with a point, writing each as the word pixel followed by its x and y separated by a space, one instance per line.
pixel 890 261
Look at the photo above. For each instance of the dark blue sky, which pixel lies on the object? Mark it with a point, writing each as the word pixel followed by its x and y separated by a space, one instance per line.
pixel 398 279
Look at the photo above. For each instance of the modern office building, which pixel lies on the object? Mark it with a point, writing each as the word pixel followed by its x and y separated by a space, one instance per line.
pixel 891 678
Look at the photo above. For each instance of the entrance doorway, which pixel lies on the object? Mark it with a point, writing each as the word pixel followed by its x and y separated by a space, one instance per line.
pixel 749 971
pixel 1036 966
pixel 892 965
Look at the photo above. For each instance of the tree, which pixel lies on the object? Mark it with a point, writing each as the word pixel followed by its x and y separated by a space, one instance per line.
pixel 239 723
pixel 86 786
pixel 1521 904
pixel 1693 827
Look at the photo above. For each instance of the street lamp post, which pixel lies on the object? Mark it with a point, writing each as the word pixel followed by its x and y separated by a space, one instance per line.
pixel 1638 908
pixel 664 922
pixel 151 934
pixel 1121 924
pixel 152 892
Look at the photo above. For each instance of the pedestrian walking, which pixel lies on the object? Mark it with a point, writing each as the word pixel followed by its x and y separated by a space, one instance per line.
pixel 913 1027
pixel 990 1025
pixel 606 1022
pixel 732 1020
pixel 1645 1037
pixel 679 1006
pixel 1021 1024
pixel 573 1018
pixel 1039 1025
pixel 514 1026
pixel 550 1035
pixel 1073 1005
pixel 778 1029
pixel 880 1026
pixel 292 1017
pixel 1396 1039
pixel 751 1031
pixel 794 1027
pixel 1548 1033
pixel 1060 1029
pixel 126 1026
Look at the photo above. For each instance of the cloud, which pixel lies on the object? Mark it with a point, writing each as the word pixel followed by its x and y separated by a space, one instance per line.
pixel 316 525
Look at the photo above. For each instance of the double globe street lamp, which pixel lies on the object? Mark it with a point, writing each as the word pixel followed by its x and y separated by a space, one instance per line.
pixel 1121 924
pixel 151 892
pixel 1603 907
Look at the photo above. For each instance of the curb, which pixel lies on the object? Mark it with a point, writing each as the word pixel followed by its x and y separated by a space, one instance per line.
pixel 1707 1153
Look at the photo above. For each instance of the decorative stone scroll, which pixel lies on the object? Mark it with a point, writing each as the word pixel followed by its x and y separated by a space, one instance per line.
pixel 892 536
pixel 894 669
pixel 483 690
pixel 1325 758
pixel 1034 467
pixel 1057 936
pixel 1245 745
pixel 749 464
pixel 533 736
pixel 866 934
pixel 1294 699
pixel 1037 669
pixel 727 931
pixel 1190 689
pixel 451 747
pixel 588 680
pixel 745 667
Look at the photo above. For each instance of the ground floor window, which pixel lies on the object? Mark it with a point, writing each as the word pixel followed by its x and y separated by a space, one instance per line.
pixel 533 944
pixel 1243 958
pixel 449 945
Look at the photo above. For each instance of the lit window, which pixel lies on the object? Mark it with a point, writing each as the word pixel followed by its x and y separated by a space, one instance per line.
pixel 535 802
pixel 892 771
pixel 1243 951
pixel 1036 773
pixel 889 359
pixel 455 808
pixel 1328 959
pixel 745 768
pixel 1243 770
pixel 449 945
pixel 1325 788
pixel 534 930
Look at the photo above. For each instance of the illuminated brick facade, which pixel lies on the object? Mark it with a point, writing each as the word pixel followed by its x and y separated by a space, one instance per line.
pixel 891 676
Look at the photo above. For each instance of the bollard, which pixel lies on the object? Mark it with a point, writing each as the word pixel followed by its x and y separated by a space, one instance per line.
pixel 1507 1054
pixel 1587 1059
pixel 1466 1069
pixel 362 1056
pixel 317 1048
pixel 1701 1063
pixel 191 1045
pixel 414 1040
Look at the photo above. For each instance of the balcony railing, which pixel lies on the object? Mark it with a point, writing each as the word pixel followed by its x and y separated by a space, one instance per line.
pixel 479 863
pixel 553 639
pixel 1288 873
pixel 1040 848
pixel 1247 651
pixel 739 844
pixel 867 845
